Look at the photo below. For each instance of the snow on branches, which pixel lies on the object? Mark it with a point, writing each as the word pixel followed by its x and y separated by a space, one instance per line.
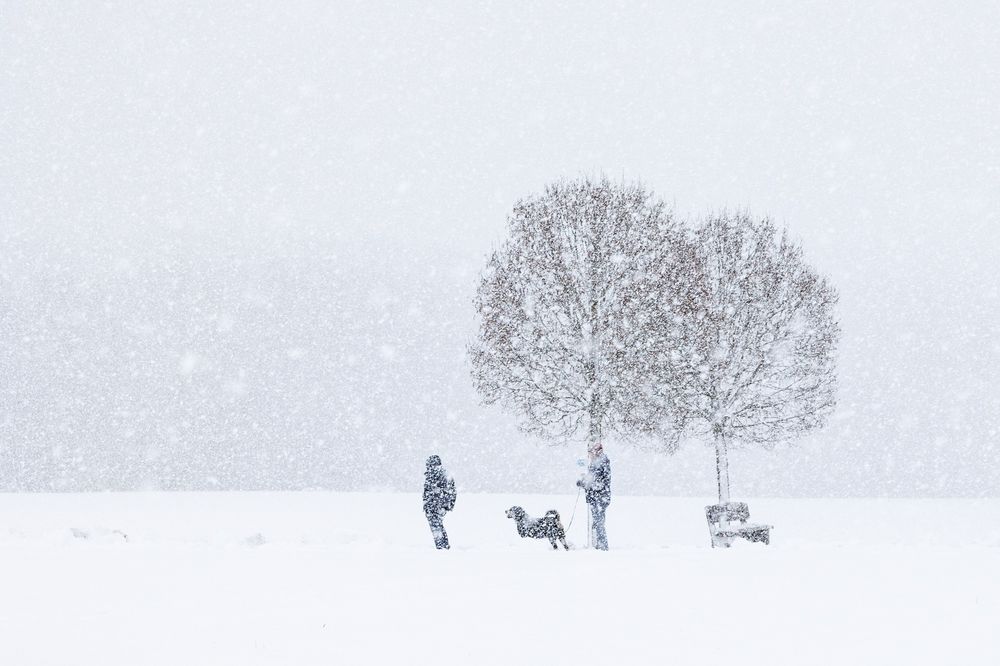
pixel 756 363
pixel 601 312
pixel 572 309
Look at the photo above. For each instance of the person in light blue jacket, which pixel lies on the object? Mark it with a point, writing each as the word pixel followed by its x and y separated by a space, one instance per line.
pixel 596 484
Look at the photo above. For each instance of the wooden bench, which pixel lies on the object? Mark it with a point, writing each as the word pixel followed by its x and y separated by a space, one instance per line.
pixel 735 514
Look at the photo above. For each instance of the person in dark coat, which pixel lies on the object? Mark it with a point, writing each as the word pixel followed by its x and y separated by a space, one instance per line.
pixel 596 484
pixel 439 498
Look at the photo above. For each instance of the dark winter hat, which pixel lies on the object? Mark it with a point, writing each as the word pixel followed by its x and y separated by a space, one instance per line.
pixel 434 461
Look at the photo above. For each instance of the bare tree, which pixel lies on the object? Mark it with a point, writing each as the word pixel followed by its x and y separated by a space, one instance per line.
pixel 571 309
pixel 755 364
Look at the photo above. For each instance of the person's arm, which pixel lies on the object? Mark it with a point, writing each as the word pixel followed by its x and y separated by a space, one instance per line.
pixel 450 494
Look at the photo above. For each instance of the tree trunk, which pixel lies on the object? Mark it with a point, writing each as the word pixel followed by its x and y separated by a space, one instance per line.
pixel 722 474
pixel 593 437
pixel 596 428
pixel 595 331
pixel 722 465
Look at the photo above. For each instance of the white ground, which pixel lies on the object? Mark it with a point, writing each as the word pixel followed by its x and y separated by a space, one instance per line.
pixel 353 578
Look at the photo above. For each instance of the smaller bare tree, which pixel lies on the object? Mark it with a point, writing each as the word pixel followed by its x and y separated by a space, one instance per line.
pixel 755 365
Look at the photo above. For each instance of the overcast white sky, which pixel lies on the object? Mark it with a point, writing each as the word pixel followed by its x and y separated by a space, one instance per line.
pixel 239 241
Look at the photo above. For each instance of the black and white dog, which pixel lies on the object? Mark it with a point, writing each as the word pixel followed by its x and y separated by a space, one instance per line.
pixel 547 527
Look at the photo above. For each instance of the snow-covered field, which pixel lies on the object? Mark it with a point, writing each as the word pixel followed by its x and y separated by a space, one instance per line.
pixel 329 578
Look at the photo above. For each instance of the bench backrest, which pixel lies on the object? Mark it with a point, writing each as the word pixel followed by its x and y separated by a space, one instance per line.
pixel 733 511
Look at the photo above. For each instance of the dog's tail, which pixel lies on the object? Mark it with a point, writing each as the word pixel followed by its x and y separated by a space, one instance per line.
pixel 553 512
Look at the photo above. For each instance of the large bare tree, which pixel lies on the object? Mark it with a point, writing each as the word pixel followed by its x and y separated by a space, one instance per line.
pixel 572 309
pixel 755 364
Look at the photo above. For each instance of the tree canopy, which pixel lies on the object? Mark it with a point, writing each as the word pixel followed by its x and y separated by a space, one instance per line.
pixel 601 312
pixel 572 309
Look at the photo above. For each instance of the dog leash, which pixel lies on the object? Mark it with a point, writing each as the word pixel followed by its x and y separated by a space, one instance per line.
pixel 575 504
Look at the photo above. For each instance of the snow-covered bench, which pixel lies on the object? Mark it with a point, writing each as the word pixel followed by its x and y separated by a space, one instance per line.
pixel 735 515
